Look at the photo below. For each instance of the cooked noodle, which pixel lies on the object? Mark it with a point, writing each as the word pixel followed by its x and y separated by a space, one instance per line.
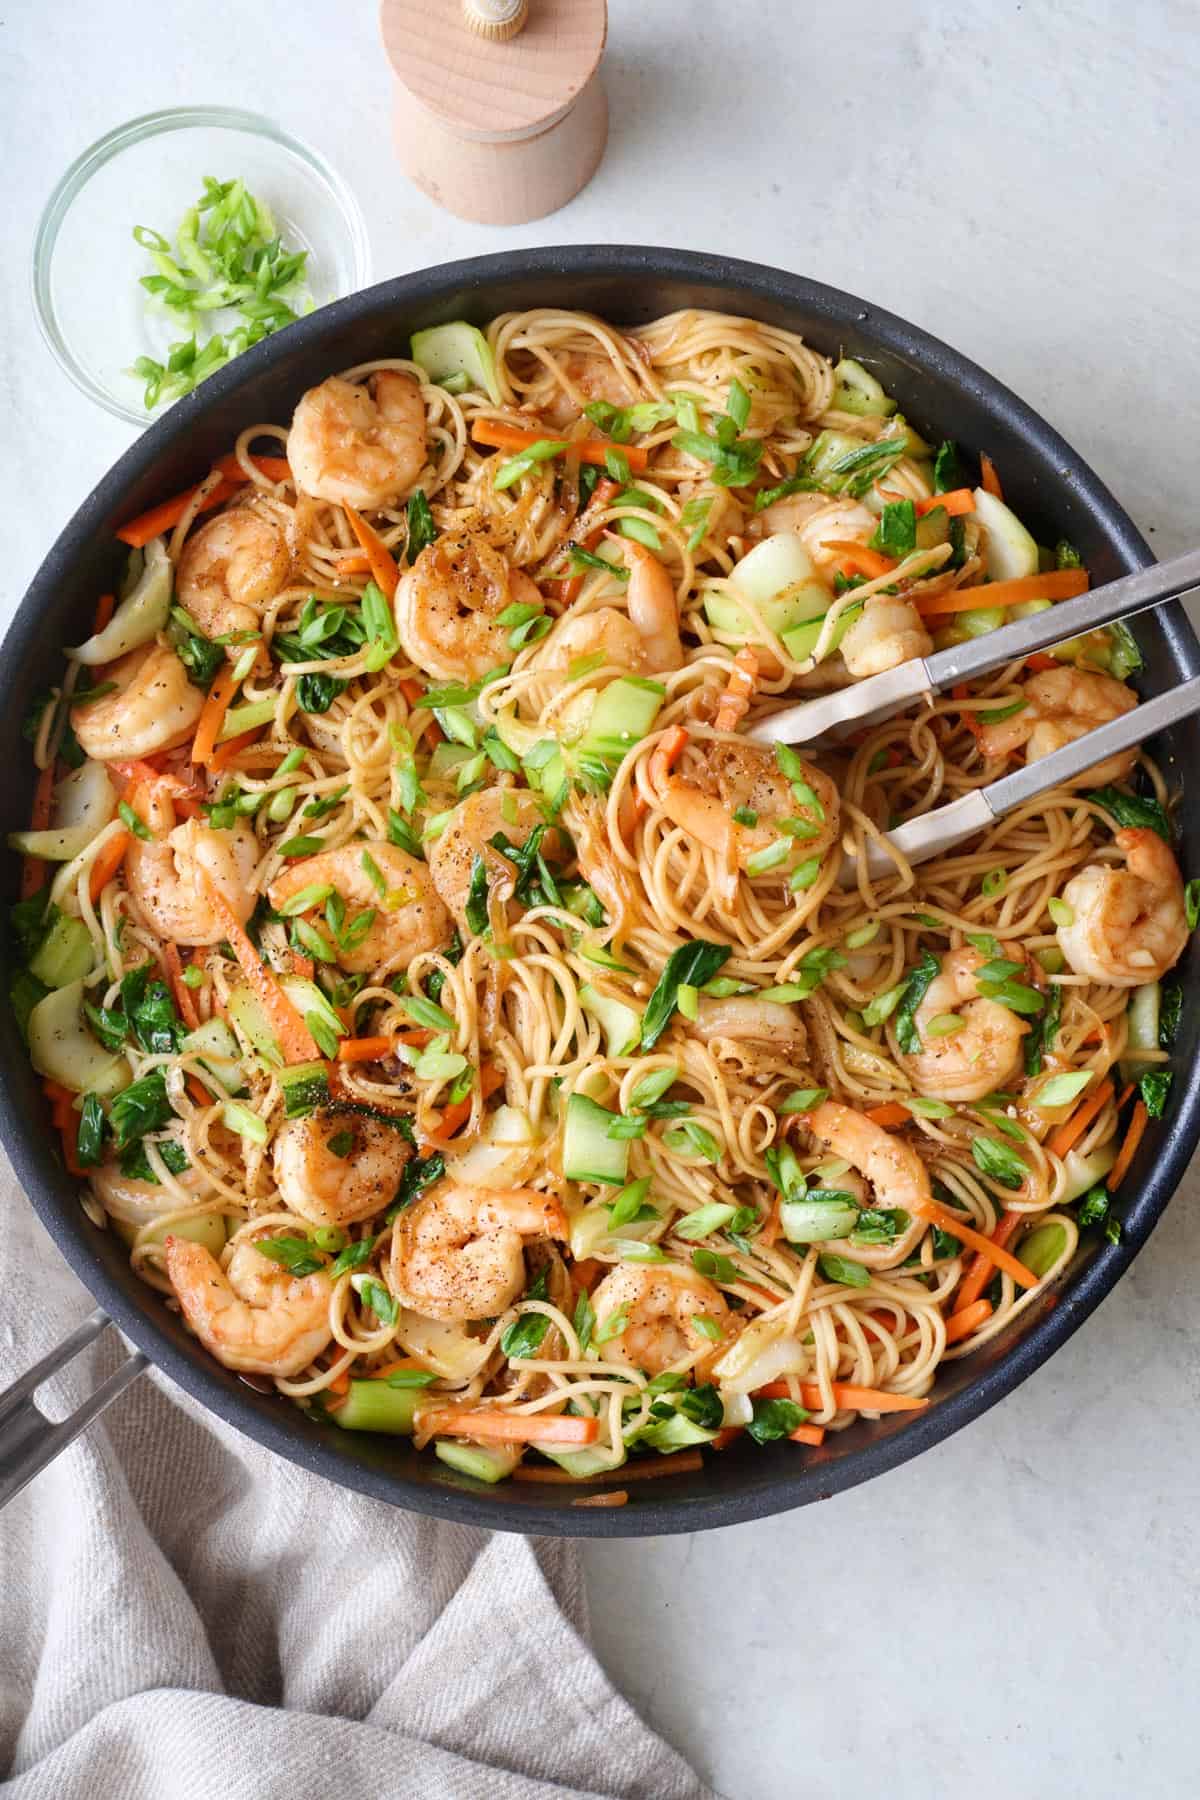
pixel 502 986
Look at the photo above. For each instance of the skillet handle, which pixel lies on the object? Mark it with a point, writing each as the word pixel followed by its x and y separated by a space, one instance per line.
pixel 29 1441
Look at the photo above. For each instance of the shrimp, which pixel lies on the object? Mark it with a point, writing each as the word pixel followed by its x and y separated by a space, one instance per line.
pixel 745 1020
pixel 983 1055
pixel 408 918
pixel 154 707
pixel 448 606
pixel 457 1253
pixel 890 1166
pixel 584 376
pixel 657 1306
pixel 736 776
pixel 1062 705
pixel 168 876
pixel 475 821
pixel 647 637
pixel 252 1315
pixel 1129 925
pixel 653 608
pixel 359 443
pixel 889 631
pixel 339 1165
pixel 818 521
pixel 606 630
pixel 132 1203
pixel 230 569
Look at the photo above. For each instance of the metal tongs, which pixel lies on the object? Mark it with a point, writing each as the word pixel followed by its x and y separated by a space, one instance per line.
pixel 836 715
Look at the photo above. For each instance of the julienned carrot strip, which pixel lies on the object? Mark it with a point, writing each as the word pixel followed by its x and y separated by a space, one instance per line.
pixel 1057 584
pixel 340 1383
pixel 863 1398
pixel 615 1497
pixel 382 563
pixel 845 1393
pixel 666 754
pixel 569 586
pixel 808 1434
pixel 950 1221
pixel 302 965
pixel 857 559
pixel 104 611
pixel 164 517
pixel 962 1323
pixel 179 987
pixel 225 753
pixel 33 869
pixel 168 513
pixel 107 864
pixel 1039 662
pixel 489 1424
pixel 728 1434
pixel 198 1091
pixel 957 502
pixel 889 1114
pixel 736 699
pixel 213 714
pixel 1060 1141
pixel 65 1121
pixel 291 1033
pixel 457 1114
pixel 412 690
pixel 989 481
pixel 1124 1094
pixel 980 1272
pixel 363 1049
pixel 499 436
pixel 403 1364
pixel 357 563
pixel 277 468
pixel 1128 1150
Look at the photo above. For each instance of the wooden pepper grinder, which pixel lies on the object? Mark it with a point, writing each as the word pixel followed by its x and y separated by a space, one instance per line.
pixel 499 112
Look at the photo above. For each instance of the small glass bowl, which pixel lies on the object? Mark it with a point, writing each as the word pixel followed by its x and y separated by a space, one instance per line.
pixel 87 298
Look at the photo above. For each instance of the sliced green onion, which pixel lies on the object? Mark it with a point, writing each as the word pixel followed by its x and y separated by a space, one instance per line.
pixel 770 858
pixel 1060 1090
pixel 883 1005
pixel 1060 911
pixel 640 530
pixel 247 1124
pixel 802 1100
pixel 704 1221
pixel 314 895
pixel 805 874
pixel 516 466
pixel 426 1012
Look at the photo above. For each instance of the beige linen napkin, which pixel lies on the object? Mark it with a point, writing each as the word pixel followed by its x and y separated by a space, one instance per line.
pixel 184 1616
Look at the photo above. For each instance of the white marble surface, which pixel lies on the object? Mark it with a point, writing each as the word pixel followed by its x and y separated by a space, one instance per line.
pixel 1016 1612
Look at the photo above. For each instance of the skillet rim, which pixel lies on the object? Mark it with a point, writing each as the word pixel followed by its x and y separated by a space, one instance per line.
pixel 768 1483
